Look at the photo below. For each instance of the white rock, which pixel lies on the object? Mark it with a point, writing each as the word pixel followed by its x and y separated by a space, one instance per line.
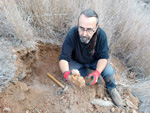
pixel 105 98
pixel 6 110
pixel 75 72
pixel 130 104
pixel 112 109
pixel 133 111
pixel 101 102
pixel 24 87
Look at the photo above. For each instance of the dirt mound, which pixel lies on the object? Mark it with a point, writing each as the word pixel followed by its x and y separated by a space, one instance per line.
pixel 35 92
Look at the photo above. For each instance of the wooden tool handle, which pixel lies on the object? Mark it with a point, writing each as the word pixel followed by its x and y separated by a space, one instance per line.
pixel 60 84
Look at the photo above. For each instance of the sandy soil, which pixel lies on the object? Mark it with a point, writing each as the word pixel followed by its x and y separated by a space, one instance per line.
pixel 35 92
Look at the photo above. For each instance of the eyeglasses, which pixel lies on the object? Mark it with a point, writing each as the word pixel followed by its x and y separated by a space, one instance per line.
pixel 88 30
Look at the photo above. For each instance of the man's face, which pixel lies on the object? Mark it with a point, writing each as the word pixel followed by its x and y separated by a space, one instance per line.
pixel 87 27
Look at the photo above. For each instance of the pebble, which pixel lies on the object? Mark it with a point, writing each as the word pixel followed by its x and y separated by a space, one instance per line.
pixel 133 111
pixel 24 87
pixel 6 110
pixel 112 110
pixel 27 111
pixel 117 109
pixel 105 98
pixel 37 111
pixel 131 75
pixel 123 111
pixel 61 97
pixel 101 102
pixel 130 104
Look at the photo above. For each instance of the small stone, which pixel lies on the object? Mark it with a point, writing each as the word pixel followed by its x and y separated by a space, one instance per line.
pixel 131 75
pixel 6 109
pixel 27 111
pixel 24 87
pixel 112 110
pixel 105 98
pixel 75 72
pixel 133 111
pixel 117 109
pixel 134 100
pixel 123 111
pixel 101 102
pixel 130 104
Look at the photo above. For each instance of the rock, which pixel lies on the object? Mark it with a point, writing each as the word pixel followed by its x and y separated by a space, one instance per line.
pixel 75 72
pixel 23 86
pixel 131 75
pixel 130 104
pixel 134 100
pixel 105 98
pixel 112 110
pixel 133 111
pixel 6 109
pixel 123 111
pixel 75 79
pixel 27 111
pixel 117 110
pixel 101 102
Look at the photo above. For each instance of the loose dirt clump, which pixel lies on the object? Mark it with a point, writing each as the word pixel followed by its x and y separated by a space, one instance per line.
pixel 75 79
pixel 34 92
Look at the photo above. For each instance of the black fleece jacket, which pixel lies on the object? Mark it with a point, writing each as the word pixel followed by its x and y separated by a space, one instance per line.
pixel 74 49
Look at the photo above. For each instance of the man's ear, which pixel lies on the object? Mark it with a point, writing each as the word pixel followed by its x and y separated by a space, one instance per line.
pixel 98 25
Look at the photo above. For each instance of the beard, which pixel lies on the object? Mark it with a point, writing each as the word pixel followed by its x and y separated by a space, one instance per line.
pixel 85 39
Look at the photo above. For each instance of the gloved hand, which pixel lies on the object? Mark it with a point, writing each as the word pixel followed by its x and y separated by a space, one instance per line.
pixel 66 74
pixel 95 76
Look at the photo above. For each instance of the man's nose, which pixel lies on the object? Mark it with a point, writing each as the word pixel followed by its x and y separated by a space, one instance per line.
pixel 84 33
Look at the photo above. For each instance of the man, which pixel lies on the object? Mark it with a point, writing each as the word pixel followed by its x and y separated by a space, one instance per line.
pixel 86 47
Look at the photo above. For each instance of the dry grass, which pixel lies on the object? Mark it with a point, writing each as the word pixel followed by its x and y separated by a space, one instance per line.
pixel 20 25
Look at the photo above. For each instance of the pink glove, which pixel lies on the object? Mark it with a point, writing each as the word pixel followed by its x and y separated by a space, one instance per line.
pixel 95 76
pixel 66 74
